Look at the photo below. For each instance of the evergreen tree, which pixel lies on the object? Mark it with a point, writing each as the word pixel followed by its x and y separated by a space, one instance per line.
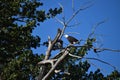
pixel 18 18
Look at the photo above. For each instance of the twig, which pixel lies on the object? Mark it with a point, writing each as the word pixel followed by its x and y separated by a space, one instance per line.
pixel 74 14
pixel 72 33
pixel 102 62
pixel 75 56
pixel 65 24
pixel 95 26
pixel 62 22
pixel 59 21
pixel 107 49
pixel 63 15
pixel 73 6
pixel 74 25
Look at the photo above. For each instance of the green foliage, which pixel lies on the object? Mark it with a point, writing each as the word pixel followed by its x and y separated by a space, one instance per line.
pixel 77 71
pixel 114 75
pixel 55 11
pixel 83 50
pixel 18 18
pixel 22 67
pixel 97 75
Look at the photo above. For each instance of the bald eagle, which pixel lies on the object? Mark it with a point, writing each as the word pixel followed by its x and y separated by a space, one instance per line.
pixel 71 39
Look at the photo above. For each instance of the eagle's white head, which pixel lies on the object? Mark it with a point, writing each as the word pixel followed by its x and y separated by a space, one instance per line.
pixel 66 36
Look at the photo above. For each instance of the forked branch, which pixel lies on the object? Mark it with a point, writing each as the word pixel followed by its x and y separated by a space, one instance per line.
pixel 48 53
pixel 65 53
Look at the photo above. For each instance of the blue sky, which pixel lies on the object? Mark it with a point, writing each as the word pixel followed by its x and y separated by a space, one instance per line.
pixel 107 33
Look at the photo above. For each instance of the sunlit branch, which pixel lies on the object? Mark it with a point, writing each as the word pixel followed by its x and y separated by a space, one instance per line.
pixel 48 52
pixel 50 61
pixel 65 53
pixel 59 21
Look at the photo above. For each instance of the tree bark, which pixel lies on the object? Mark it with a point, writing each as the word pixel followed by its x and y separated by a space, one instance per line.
pixel 56 64
pixel 48 52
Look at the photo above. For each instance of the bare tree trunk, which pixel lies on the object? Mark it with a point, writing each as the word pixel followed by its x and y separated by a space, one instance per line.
pixel 48 52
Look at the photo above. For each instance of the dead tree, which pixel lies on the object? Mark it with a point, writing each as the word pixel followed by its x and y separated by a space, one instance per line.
pixel 65 51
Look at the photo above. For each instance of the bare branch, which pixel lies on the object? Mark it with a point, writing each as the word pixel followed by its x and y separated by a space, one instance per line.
pixel 98 67
pixel 67 73
pixel 51 61
pixel 75 56
pixel 92 59
pixel 48 52
pixel 59 21
pixel 73 6
pixel 49 48
pixel 95 26
pixel 102 62
pixel 80 9
pixel 57 55
pixel 63 30
pixel 56 64
pixel 19 20
pixel 105 49
pixel 63 15
pixel 74 25
pixel 72 33
pixel 110 50
pixel 57 71
pixel 65 24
